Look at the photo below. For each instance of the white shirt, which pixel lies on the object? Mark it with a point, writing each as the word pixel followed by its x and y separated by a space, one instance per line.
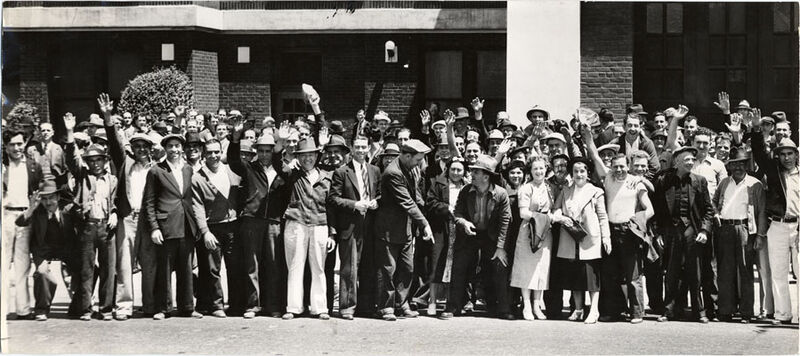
pixel 631 147
pixel 734 204
pixel 17 189
pixel 454 190
pixel 177 173
pixel 622 197
pixel 713 170
pixel 359 180
pixel 792 179
pixel 137 177
pixel 220 180
pixel 271 174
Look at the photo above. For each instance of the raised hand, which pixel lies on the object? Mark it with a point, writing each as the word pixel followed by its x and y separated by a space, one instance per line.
pixel 477 104
pixel 425 117
pixel 69 121
pixel 324 137
pixel 723 102
pixel 681 112
pixel 505 146
pixel 736 123
pixel 586 133
pixel 180 110
pixel 449 118
pixel 106 105
pixel 361 115
pixel 284 130
pixel 755 120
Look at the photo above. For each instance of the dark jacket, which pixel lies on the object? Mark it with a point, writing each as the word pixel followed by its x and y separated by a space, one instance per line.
pixel 498 207
pixel 166 207
pixel 437 206
pixel 123 165
pixel 308 200
pixel 646 145
pixel 39 247
pixel 699 202
pixel 776 186
pixel 343 196
pixel 258 199
pixel 209 206
pixel 400 206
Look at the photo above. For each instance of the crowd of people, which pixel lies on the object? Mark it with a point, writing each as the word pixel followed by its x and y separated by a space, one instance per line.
pixel 450 212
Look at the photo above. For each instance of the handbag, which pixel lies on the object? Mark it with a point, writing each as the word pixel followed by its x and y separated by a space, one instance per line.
pixel 577 231
pixel 536 240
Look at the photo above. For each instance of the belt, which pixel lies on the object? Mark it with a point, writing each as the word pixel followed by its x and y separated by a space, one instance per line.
pixel 11 208
pixel 733 221
pixel 134 214
pixel 783 219
pixel 95 221
pixel 620 226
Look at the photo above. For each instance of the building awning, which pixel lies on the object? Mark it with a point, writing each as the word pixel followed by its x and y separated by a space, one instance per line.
pixel 193 17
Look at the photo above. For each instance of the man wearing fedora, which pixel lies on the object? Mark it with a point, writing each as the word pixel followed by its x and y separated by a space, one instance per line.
pixel 95 197
pixel 53 239
pixel 334 155
pixel 782 209
pixel 683 219
pixel 215 199
pixel 635 138
pixel 131 248
pixel 21 177
pixel 741 228
pixel 265 196
pixel 482 216
pixel 400 213
pixel 168 207
pixel 353 198
pixel 307 234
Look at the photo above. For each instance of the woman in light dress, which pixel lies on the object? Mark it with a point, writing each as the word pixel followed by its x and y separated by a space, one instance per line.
pixel 531 271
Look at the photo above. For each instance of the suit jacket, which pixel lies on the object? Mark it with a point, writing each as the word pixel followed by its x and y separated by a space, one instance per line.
pixel 646 145
pixel 498 207
pixel 343 196
pixel 35 176
pixel 168 208
pixel 258 199
pixel 400 206
pixel 123 164
pixel 39 247
pixel 51 160
pixel 664 200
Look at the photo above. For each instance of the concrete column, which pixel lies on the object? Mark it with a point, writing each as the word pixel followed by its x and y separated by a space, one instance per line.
pixel 543 65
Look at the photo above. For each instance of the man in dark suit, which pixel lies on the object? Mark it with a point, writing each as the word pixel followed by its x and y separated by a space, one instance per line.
pixel 683 219
pixel 399 213
pixel 21 177
pixel 53 238
pixel 353 196
pixel 168 207
pixel 265 196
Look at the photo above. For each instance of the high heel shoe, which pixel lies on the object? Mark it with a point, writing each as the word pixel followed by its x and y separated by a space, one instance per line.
pixel 538 314
pixel 527 314
pixel 591 318
pixel 576 315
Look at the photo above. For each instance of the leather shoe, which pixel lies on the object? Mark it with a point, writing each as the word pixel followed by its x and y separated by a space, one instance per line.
pixel 607 319
pixel 108 317
pixel 219 314
pixel 159 316
pixel 408 313
pixel 507 316
pixel 662 319
pixel 192 314
pixel 347 316
pixel 287 316
pixel 121 317
pixel 637 320
pixel 703 320
pixel 445 315
pixel 324 316
pixel 275 314
pixel 249 315
pixel 41 317
pixel 388 317
pixel 86 317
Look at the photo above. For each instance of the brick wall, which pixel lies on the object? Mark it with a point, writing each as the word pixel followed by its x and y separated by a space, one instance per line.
pixel 33 77
pixel 245 86
pixel 202 68
pixel 389 86
pixel 607 56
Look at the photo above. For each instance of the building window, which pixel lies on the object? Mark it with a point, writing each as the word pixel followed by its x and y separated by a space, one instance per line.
pixel 443 71
pixel 662 71
pixel 728 49
pixel 491 74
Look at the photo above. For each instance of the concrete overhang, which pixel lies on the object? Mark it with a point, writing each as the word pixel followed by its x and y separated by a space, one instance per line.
pixel 193 17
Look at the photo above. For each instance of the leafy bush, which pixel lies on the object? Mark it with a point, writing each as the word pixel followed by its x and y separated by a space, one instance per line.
pixel 22 112
pixel 157 92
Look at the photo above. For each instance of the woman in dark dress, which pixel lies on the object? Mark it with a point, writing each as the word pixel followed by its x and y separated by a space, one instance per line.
pixel 440 202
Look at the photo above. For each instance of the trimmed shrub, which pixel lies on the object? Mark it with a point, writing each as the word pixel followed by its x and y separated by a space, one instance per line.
pixel 157 92
pixel 22 113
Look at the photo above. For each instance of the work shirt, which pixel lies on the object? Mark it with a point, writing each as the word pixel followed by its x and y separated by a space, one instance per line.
pixel 98 206
pixel 137 177
pixel 622 197
pixel 735 202
pixel 792 179
pixel 17 192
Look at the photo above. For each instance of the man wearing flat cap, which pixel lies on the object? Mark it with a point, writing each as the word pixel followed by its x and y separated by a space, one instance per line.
pixel 482 215
pixel 95 197
pixel 168 205
pixel 131 247
pixel 683 219
pixel 400 214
